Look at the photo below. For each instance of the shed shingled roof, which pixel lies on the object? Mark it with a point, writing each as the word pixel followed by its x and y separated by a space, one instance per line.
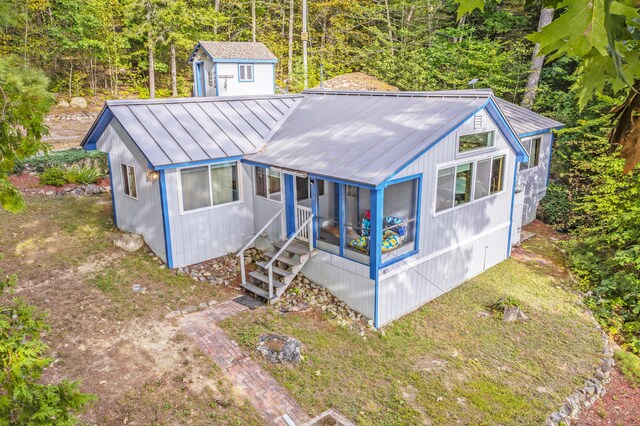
pixel 236 50
pixel 176 131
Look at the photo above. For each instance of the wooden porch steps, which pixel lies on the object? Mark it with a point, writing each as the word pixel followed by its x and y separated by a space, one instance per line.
pixel 285 269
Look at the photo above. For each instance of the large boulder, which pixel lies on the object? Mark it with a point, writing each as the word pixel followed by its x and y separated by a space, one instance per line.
pixel 63 104
pixel 78 102
pixel 129 242
pixel 279 349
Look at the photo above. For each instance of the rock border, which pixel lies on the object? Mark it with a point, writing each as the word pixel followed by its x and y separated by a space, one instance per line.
pixel 190 309
pixel 593 389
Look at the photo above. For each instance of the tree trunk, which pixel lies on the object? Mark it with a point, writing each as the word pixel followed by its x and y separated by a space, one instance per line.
pixel 152 71
pixel 71 80
pixel 216 6
pixel 174 74
pixel 290 57
pixel 537 61
pixel 253 20
pixel 389 27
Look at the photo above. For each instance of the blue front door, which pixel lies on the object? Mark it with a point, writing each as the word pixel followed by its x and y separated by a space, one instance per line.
pixel 200 87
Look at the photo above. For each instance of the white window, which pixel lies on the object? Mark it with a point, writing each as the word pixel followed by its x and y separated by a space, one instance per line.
pixel 267 183
pixel 475 141
pixel 208 186
pixel 129 181
pixel 463 183
pixel 303 188
pixel 245 72
pixel 533 149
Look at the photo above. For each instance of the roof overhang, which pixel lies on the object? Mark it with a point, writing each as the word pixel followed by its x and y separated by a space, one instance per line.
pixel 97 128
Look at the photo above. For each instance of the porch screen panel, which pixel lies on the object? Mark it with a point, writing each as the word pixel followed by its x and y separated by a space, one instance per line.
pixel 399 214
pixel 195 188
pixel 224 183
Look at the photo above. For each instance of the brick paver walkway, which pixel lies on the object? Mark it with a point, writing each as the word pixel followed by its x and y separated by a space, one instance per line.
pixel 266 395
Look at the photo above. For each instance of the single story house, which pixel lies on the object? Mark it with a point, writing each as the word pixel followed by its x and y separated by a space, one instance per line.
pixel 389 199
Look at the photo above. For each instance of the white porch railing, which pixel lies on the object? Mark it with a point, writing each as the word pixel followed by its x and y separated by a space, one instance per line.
pixel 308 227
pixel 302 214
pixel 246 246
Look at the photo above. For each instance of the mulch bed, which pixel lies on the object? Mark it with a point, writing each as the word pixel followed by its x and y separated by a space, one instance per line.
pixel 619 406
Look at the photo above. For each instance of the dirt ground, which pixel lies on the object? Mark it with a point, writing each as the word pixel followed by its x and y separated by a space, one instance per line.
pixel 64 133
pixel 117 343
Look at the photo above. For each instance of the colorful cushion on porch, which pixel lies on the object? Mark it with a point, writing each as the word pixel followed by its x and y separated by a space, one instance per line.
pixel 390 240
pixel 389 221
pixel 360 244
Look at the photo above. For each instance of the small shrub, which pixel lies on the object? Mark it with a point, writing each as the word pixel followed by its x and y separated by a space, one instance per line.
pixel 499 305
pixel 555 207
pixel 629 364
pixel 53 176
pixel 63 158
pixel 82 174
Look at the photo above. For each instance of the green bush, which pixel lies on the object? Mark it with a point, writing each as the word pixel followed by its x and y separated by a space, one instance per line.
pixel 81 174
pixel 53 176
pixel 64 158
pixel 629 364
pixel 555 207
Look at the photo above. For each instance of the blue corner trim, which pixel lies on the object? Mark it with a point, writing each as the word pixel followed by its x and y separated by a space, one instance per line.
pixel 113 195
pixel 97 128
pixel 513 196
pixel 290 204
pixel 253 76
pixel 376 303
pixel 550 156
pixel 165 219
pixel 196 163
pixel 375 239
pixel 341 217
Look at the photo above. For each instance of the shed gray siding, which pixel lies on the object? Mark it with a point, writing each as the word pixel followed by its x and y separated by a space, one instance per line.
pixel 533 181
pixel 455 245
pixel 209 233
pixel 144 215
pixel 347 280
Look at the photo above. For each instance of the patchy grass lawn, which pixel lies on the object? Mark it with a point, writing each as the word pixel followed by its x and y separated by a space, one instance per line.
pixel 116 342
pixel 447 363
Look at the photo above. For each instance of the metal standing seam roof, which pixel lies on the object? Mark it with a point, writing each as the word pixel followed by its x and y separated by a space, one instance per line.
pixel 235 50
pixel 524 121
pixel 176 131
pixel 365 136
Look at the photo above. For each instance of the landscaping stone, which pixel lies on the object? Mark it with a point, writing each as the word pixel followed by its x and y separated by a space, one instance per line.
pixel 92 189
pixel 513 313
pixel 78 102
pixel 129 242
pixel 63 104
pixel 279 349
pixel 137 288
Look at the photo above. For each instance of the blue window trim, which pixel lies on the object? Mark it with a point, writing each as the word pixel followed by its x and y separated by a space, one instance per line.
pixel 196 163
pixel 290 204
pixel 418 204
pixel 513 197
pixel 165 219
pixel 253 75
pixel 113 196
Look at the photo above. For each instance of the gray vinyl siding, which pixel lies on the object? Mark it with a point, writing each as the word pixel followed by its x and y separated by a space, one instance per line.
pixel 144 215
pixel 209 233
pixel 455 245
pixel 533 181
pixel 347 280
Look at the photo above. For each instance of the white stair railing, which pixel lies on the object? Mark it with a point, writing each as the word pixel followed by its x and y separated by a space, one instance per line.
pixel 308 223
pixel 243 273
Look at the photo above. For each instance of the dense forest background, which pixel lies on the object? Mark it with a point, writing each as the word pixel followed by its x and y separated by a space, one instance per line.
pixel 104 48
